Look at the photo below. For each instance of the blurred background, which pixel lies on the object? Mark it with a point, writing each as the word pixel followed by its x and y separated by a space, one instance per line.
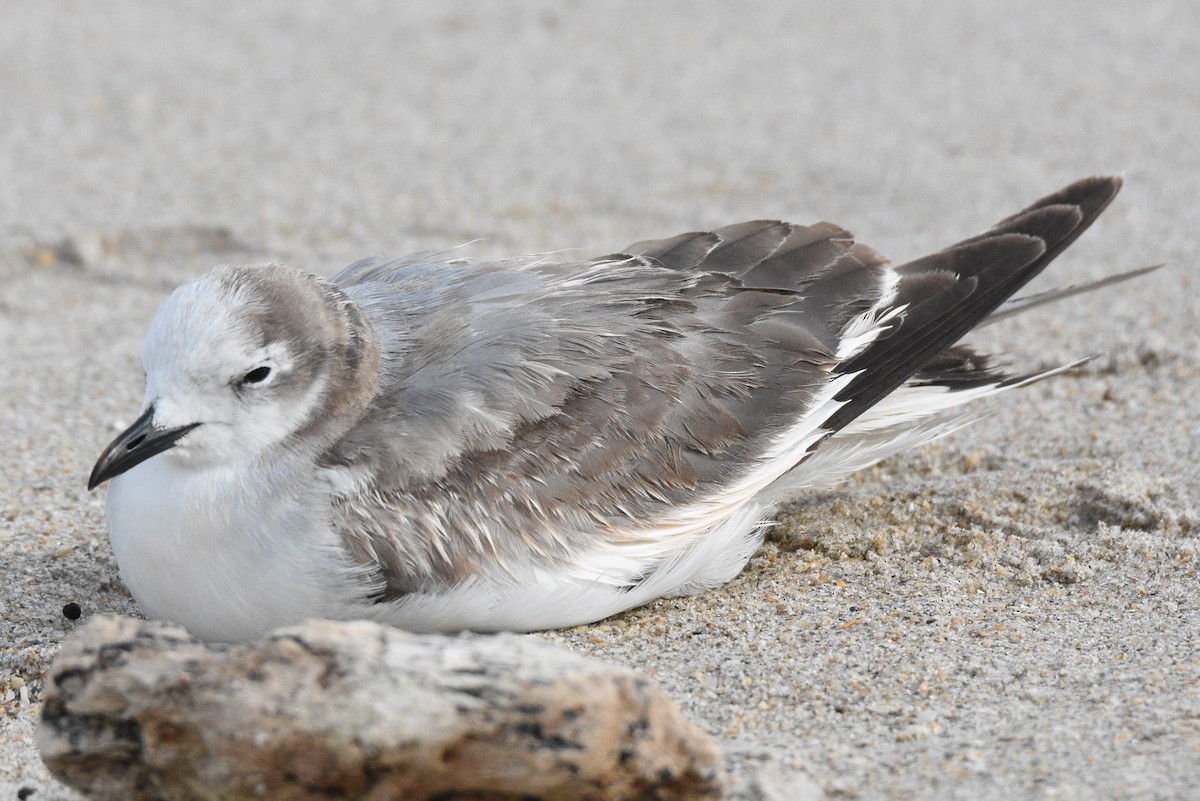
pixel 308 129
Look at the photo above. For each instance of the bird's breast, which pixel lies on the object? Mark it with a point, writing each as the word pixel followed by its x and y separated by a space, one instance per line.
pixel 218 552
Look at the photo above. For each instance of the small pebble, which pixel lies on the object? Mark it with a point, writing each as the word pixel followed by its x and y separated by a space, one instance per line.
pixel 72 611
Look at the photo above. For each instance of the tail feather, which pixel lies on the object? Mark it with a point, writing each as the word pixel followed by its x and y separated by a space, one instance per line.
pixel 1017 305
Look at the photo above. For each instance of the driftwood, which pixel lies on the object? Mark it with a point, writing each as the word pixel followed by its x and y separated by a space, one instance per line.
pixel 140 710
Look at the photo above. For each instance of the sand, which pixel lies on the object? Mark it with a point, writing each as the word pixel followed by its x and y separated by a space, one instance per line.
pixel 1013 612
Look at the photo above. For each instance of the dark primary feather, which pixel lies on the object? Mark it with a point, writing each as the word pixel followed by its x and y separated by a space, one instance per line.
pixel 960 367
pixel 527 408
pixel 950 292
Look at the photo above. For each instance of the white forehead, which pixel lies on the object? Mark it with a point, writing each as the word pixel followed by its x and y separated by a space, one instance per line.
pixel 204 322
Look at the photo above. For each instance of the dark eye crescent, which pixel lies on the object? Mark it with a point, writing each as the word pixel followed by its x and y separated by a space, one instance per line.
pixel 257 375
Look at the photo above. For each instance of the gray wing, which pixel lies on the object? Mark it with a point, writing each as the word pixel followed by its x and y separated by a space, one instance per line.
pixel 527 407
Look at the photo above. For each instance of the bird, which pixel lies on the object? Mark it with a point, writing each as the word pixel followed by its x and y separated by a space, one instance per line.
pixel 534 443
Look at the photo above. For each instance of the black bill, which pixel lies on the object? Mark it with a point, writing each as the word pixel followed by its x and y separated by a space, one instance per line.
pixel 135 445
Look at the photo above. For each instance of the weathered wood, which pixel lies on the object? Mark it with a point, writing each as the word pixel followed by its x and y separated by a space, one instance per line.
pixel 140 710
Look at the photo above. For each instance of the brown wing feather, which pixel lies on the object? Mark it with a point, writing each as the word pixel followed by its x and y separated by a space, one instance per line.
pixel 659 378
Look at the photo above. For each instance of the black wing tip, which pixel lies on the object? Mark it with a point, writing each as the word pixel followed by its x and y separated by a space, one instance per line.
pixel 988 269
pixel 1059 218
pixel 1090 195
pixel 1110 184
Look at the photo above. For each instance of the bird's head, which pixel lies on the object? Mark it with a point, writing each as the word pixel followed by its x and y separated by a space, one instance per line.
pixel 243 363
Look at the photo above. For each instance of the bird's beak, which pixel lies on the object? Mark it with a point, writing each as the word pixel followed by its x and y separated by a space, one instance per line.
pixel 135 445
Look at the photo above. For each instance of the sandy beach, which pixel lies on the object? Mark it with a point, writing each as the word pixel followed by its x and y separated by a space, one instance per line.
pixel 1013 612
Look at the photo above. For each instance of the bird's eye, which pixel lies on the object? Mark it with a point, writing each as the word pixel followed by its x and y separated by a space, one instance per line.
pixel 257 375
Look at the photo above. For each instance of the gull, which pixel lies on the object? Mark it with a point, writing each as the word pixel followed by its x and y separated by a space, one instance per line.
pixel 530 443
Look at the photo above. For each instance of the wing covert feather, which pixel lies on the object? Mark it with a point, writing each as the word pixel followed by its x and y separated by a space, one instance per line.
pixel 558 399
